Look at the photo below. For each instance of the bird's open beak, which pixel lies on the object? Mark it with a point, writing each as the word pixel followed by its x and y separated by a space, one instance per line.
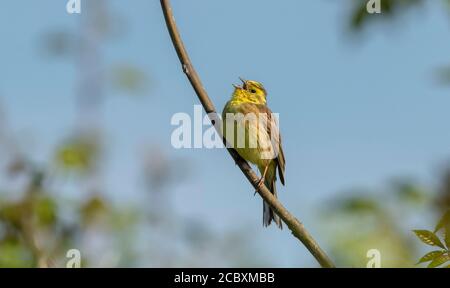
pixel 243 84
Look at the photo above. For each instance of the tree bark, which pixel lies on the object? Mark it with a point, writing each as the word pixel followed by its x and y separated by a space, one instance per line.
pixel 296 227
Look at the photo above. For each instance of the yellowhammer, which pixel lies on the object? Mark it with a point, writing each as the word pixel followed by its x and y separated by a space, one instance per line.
pixel 250 127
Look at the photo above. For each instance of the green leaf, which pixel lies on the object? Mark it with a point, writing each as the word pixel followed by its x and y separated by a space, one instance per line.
pixel 447 237
pixel 439 260
pixel 429 238
pixel 443 222
pixel 431 256
pixel 78 154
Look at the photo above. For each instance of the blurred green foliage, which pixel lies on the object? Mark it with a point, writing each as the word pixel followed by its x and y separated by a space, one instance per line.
pixel 431 238
pixel 46 211
pixel 78 154
pixel 34 230
pixel 39 222
pixel 365 220
pixel 129 78
pixel 390 9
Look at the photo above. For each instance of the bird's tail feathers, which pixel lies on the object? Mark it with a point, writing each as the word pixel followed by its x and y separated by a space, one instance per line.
pixel 268 213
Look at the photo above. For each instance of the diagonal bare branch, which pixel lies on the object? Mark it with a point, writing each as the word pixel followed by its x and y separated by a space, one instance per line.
pixel 296 227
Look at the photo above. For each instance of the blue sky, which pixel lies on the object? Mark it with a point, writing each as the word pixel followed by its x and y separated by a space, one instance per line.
pixel 352 113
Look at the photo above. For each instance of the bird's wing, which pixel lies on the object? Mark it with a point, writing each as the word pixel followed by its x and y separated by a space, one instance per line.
pixel 273 131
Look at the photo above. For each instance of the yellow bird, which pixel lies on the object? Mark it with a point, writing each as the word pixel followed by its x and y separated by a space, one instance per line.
pixel 250 127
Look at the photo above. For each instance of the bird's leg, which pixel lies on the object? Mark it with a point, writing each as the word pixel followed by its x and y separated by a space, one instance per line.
pixel 261 180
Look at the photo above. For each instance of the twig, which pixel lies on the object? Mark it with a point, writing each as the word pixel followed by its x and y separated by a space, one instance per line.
pixel 296 227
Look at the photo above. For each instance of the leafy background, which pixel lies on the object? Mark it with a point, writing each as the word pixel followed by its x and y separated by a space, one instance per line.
pixel 85 154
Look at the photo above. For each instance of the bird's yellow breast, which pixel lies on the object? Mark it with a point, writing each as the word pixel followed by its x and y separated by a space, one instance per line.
pixel 241 96
pixel 245 133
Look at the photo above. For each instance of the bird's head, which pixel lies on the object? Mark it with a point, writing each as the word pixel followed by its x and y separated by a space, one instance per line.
pixel 252 90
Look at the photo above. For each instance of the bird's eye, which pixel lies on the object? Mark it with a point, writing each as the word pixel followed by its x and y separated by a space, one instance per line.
pixel 253 91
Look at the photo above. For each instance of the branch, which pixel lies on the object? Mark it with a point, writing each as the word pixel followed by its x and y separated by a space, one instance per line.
pixel 296 227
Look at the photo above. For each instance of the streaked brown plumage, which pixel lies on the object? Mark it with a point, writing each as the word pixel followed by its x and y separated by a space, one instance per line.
pixel 267 154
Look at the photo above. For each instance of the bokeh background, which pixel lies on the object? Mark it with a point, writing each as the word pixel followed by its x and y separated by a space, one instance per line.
pixel 86 160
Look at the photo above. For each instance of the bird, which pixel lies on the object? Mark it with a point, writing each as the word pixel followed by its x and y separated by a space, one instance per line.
pixel 249 126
